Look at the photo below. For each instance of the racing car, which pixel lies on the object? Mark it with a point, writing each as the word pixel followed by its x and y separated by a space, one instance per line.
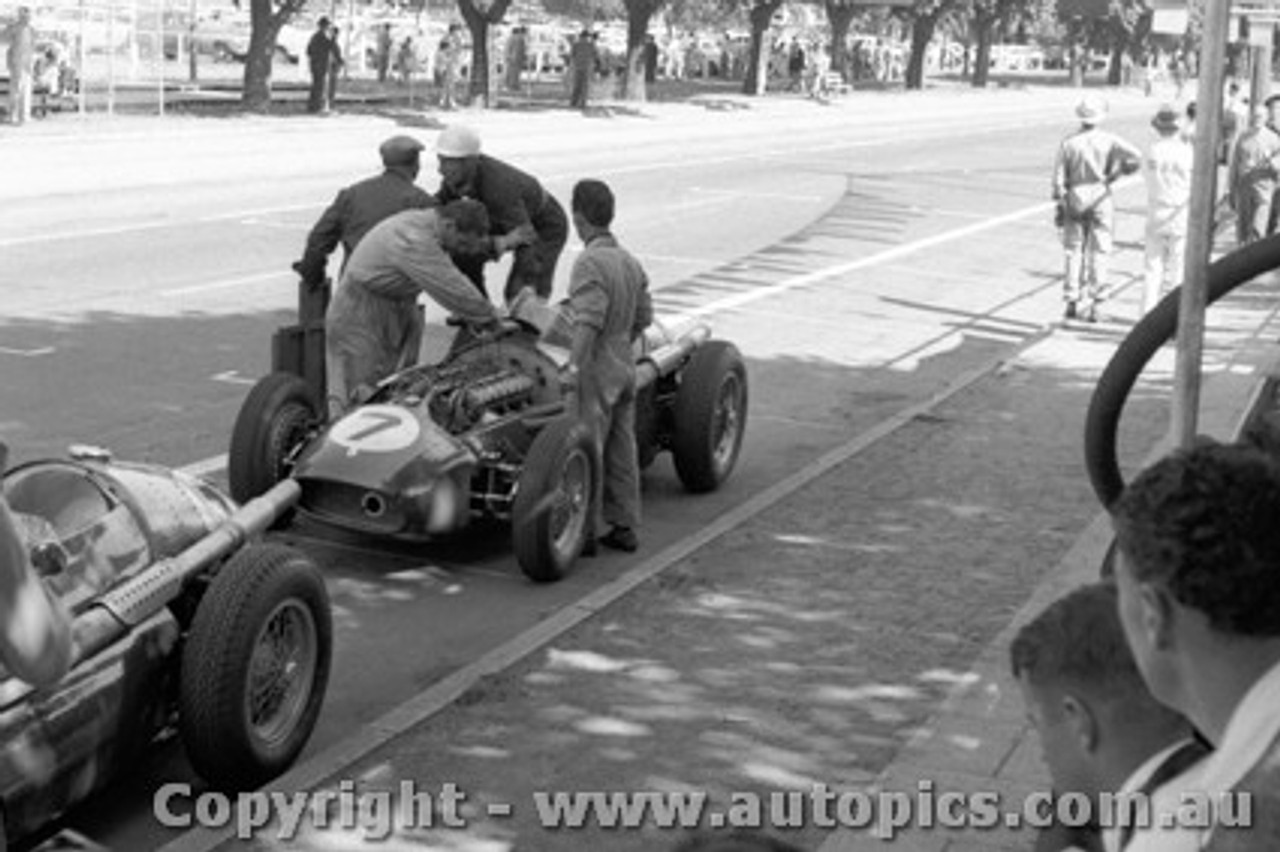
pixel 485 434
pixel 182 620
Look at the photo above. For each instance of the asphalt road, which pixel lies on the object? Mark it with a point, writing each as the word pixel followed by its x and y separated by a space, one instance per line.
pixel 860 262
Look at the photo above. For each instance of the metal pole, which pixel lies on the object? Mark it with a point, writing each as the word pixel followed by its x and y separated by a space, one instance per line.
pixel 1186 377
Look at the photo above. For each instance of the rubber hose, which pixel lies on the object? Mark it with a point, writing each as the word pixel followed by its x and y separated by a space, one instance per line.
pixel 1102 421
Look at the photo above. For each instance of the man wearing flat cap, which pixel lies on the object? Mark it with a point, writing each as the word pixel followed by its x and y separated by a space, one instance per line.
pixel 362 205
pixel 523 216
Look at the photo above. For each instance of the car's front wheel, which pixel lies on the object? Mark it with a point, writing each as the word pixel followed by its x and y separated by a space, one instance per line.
pixel 551 518
pixel 278 415
pixel 710 416
pixel 255 667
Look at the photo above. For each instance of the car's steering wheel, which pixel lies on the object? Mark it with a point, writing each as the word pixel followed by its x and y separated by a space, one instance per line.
pixel 1153 331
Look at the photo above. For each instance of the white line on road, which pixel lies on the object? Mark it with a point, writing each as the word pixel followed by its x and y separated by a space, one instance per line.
pixel 226 283
pixel 27 353
pixel 233 377
pixel 773 196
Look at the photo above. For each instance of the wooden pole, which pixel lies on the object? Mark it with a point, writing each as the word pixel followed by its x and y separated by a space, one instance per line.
pixel 1191 308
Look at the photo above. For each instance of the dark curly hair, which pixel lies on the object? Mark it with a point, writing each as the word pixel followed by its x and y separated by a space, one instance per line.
pixel 1205 523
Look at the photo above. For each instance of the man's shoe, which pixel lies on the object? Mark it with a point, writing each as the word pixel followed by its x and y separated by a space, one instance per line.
pixel 1091 313
pixel 621 538
pixel 1071 310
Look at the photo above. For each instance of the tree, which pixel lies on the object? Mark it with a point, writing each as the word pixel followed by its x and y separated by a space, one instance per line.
pixel 266 17
pixel 840 15
pixel 478 15
pixel 1128 25
pixel 639 14
pixel 761 17
pixel 925 16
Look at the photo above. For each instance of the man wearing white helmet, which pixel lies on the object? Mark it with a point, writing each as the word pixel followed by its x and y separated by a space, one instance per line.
pixel 523 216
pixel 1088 162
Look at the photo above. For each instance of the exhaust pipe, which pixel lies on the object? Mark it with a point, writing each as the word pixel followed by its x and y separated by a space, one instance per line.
pixel 663 360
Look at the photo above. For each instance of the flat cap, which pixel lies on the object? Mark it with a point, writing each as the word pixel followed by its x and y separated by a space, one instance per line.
pixel 400 151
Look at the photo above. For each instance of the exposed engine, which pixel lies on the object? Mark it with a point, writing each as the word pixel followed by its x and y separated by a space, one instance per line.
pixel 461 396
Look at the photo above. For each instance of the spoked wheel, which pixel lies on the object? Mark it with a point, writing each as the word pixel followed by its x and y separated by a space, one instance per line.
pixel 710 416
pixel 551 517
pixel 1152 332
pixel 277 416
pixel 255 667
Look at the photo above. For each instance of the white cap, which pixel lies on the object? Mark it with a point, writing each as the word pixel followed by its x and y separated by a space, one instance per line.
pixel 457 140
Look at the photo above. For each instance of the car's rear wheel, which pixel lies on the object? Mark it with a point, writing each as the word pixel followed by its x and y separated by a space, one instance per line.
pixel 710 416
pixel 551 518
pixel 278 415
pixel 255 667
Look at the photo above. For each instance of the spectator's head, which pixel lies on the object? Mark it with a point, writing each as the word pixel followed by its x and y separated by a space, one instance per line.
pixel 1091 110
pixel 400 153
pixel 592 207
pixel 323 24
pixel 24 14
pixel 1084 695
pixel 458 154
pixel 1199 575
pixel 464 227
pixel 1191 110
pixel 1166 121
pixel 733 841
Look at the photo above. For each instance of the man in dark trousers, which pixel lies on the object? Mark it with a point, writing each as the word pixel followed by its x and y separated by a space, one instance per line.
pixel 523 216
pixel 582 62
pixel 610 307
pixel 362 205
pixel 319 54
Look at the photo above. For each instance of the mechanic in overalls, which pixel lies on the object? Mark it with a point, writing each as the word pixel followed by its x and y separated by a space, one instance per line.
pixel 374 325
pixel 610 306
pixel 523 216
pixel 35 629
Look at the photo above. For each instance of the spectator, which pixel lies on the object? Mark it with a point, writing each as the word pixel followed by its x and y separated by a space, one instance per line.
pixel 650 58
pixel 1251 179
pixel 362 205
pixel 382 52
pixel 336 64
pixel 582 63
pixel 610 305
pixel 1167 167
pixel 406 60
pixel 21 38
pixel 1273 124
pixel 524 217
pixel 1088 162
pixel 1199 592
pixel 319 57
pixel 1101 731
pixel 448 57
pixel 517 56
pixel 373 326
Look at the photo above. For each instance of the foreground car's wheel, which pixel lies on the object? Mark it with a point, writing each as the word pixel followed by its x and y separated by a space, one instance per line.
pixel 552 512
pixel 276 417
pixel 710 416
pixel 255 667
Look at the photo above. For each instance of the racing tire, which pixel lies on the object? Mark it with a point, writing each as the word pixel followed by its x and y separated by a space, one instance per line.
pixel 276 416
pixel 551 516
pixel 1102 421
pixel 710 416
pixel 255 667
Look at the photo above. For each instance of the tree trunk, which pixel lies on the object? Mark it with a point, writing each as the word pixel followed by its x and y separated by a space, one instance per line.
pixel 638 15
pixel 840 16
pixel 984 26
pixel 264 27
pixel 478 25
pixel 1115 68
pixel 921 34
pixel 757 76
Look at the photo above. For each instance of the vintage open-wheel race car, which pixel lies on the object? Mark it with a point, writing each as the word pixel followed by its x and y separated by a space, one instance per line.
pixel 485 434
pixel 180 618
